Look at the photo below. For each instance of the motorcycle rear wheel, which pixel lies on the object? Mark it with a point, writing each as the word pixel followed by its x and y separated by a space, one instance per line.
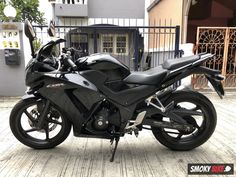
pixel 23 119
pixel 183 141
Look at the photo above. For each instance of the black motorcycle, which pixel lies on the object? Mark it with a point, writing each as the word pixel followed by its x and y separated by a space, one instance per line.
pixel 101 98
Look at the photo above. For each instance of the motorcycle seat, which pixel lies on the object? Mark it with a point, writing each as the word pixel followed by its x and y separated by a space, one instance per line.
pixel 172 64
pixel 150 77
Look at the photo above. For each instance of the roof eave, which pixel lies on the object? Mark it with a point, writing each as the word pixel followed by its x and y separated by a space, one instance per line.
pixel 152 5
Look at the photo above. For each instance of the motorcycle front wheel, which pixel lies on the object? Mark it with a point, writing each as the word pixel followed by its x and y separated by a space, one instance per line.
pixel 23 123
pixel 204 124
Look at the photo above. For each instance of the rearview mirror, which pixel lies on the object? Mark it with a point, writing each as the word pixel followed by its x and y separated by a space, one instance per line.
pixel 30 33
pixel 51 29
pixel 29 30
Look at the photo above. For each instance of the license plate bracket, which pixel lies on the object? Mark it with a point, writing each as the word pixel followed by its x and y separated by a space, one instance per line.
pixel 217 85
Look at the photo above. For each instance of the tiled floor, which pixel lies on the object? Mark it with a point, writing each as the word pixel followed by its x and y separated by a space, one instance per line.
pixel 137 157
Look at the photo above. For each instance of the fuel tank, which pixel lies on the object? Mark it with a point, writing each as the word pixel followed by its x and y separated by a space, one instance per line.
pixel 108 65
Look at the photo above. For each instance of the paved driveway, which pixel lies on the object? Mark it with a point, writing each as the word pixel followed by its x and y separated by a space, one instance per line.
pixel 137 157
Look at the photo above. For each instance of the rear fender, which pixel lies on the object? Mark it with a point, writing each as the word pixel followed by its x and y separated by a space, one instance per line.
pixel 215 78
pixel 217 85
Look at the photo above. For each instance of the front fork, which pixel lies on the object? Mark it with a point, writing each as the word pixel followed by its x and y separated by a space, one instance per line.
pixel 43 115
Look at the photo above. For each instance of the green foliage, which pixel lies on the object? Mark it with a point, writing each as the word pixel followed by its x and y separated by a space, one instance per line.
pixel 37 44
pixel 2 16
pixel 26 9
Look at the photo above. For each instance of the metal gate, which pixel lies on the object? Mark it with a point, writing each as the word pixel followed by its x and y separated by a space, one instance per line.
pixel 220 41
pixel 138 47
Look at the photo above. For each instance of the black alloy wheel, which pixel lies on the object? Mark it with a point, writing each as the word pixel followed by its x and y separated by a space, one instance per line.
pixel 204 123
pixel 23 123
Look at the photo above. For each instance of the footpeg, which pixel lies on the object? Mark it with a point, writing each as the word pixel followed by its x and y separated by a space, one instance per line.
pixel 138 121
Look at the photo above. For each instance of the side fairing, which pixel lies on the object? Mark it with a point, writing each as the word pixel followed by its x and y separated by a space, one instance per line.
pixel 79 80
pixel 72 95
pixel 68 84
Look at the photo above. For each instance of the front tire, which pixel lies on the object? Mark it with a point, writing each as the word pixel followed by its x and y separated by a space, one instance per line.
pixel 23 121
pixel 184 141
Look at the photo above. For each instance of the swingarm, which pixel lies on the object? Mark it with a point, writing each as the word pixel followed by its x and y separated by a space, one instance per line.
pixel 155 107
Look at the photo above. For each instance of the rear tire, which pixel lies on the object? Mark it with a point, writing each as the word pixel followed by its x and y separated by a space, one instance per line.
pixel 205 130
pixel 25 114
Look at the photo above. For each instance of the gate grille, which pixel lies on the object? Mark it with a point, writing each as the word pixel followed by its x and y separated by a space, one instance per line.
pixel 220 41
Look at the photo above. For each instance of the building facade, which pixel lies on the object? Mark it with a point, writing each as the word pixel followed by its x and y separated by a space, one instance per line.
pixel 89 12
pixel 98 26
pixel 210 26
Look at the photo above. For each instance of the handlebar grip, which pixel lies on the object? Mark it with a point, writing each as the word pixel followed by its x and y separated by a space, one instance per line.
pixel 72 64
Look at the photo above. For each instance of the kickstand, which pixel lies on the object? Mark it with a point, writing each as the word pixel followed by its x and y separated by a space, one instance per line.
pixel 114 150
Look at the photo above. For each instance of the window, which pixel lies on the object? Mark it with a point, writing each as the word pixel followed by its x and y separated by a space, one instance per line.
pixel 79 38
pixel 79 41
pixel 115 43
pixel 107 43
pixel 121 44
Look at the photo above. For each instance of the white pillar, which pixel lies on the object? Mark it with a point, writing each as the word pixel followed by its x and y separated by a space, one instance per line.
pixel 188 51
pixel 187 4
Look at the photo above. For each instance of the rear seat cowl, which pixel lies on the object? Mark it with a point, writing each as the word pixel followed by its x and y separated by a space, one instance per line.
pixel 172 64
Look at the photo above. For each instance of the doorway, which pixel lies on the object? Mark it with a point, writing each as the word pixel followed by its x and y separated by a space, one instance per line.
pixel 80 42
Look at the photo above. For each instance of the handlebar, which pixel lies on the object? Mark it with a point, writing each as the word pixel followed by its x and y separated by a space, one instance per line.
pixel 72 64
pixel 67 57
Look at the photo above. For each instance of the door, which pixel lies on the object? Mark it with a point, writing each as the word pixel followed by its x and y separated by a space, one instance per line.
pixel 80 42
pixel 220 41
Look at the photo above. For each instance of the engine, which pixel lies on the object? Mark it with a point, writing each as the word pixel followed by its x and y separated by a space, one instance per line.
pixel 106 117
pixel 100 121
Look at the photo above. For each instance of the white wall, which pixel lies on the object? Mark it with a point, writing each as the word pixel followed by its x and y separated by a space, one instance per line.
pixel 12 76
pixel 116 8
pixel 46 7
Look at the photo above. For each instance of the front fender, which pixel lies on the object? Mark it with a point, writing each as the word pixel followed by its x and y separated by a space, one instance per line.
pixel 27 96
pixel 76 124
